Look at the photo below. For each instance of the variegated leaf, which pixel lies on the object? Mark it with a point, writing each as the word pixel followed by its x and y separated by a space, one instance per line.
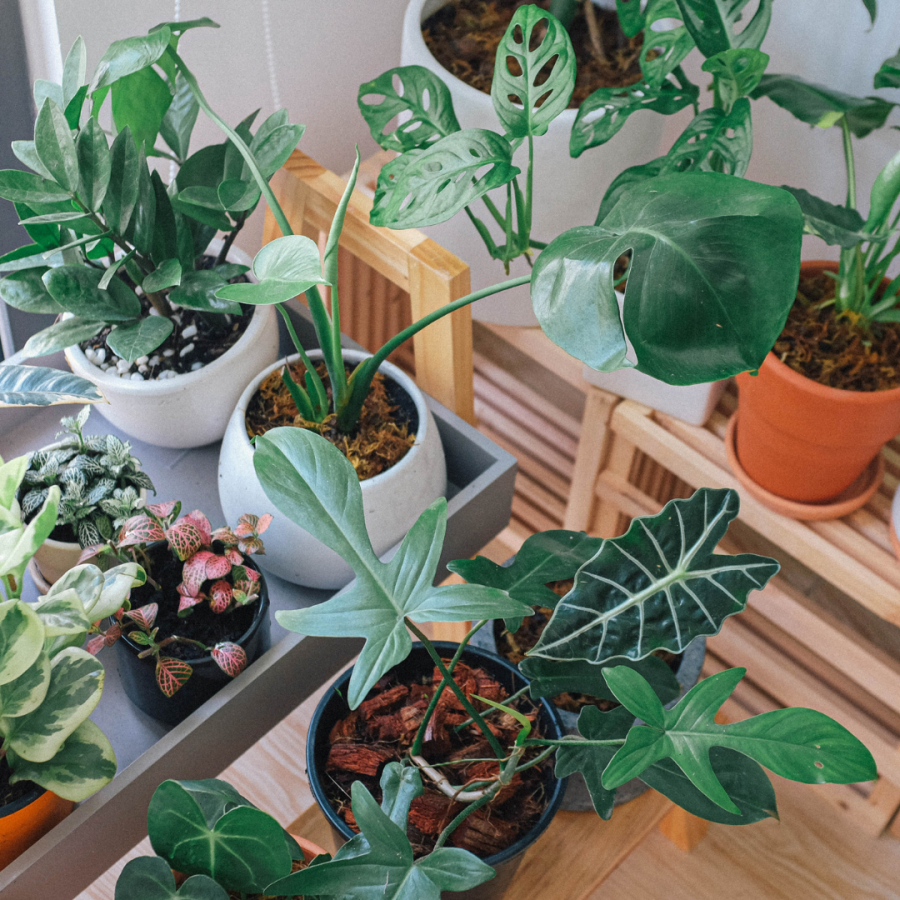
pixel 27 692
pixel 95 644
pixel 144 616
pixel 193 574
pixel 199 520
pixel 170 508
pixel 185 538
pixel 171 674
pixel 63 613
pixel 21 639
pixel 139 637
pixel 218 566
pixel 186 602
pixel 234 556
pixel 230 658
pixel 140 530
pixel 117 583
pixel 220 595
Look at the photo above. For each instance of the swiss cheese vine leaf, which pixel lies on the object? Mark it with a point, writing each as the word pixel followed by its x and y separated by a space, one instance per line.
pixel 664 49
pixel 713 24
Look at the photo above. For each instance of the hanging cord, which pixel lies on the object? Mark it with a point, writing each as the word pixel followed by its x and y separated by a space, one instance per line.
pixel 176 17
pixel 270 53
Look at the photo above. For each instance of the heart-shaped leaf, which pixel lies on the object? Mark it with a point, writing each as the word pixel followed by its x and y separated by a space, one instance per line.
pixel 713 24
pixel 230 657
pixel 421 94
pixel 314 485
pixel 140 338
pixel 666 41
pixel 150 878
pixel 658 586
pixel 400 785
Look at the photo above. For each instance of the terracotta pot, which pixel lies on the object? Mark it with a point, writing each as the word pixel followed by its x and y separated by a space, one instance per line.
pixel 27 820
pixel 806 441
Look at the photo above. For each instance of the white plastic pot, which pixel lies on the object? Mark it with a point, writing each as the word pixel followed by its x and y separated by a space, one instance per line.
pixel 392 500
pixel 192 409
pixel 567 192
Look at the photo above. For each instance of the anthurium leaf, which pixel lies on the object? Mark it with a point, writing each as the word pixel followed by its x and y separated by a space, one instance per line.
pixel 84 764
pixel 713 24
pixel 888 76
pixel 242 850
pixel 129 55
pixel 167 274
pixel 122 193
pixel 94 164
pixel 658 586
pixel 150 878
pixel 21 639
pixel 75 289
pixel 523 106
pixel 60 335
pixel 40 386
pixel 631 18
pixel 178 122
pixel 838 225
pixel 714 141
pixel 55 147
pixel 76 682
pixel 27 692
pixel 552 677
pixel 816 104
pixel 604 112
pixel 26 291
pixel 735 246
pixel 664 48
pixel 799 744
pixel 737 72
pixel 28 187
pixel 424 187
pixel 136 339
pixel 400 785
pixel 421 94
pixel 544 557
pixel 315 486
pixel 379 863
pixel 200 290
pixel 285 267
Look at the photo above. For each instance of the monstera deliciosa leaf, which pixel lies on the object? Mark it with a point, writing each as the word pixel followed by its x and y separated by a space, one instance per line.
pixel 715 262
pixel 315 486
pixel 658 586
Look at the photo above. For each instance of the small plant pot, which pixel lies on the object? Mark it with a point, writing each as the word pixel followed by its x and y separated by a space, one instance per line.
pixel 27 820
pixel 138 675
pixel 392 500
pixel 333 707
pixel 54 558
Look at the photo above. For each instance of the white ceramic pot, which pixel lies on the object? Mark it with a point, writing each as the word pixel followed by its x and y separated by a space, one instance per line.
pixel 392 500
pixel 567 192
pixel 192 409
pixel 54 558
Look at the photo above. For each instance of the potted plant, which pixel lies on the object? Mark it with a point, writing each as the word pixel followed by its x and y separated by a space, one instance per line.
pixel 124 258
pixel 101 486
pixel 659 586
pixel 212 843
pixel 201 617
pixel 51 754
pixel 810 425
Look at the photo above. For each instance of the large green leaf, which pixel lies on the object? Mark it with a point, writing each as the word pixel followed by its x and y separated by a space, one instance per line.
pixel 76 289
pixel 604 112
pixel 664 48
pixel 816 104
pixel 838 225
pixel 713 24
pixel 58 336
pixel 26 291
pixel 178 122
pixel 378 863
pixel 129 55
pixel 715 262
pixel 140 101
pixel 524 106
pixel 714 141
pixel 122 193
pixel 94 164
pixel 658 586
pixel 424 187
pixel 150 878
pixel 55 147
pixel 888 76
pixel 84 764
pixel 799 744
pixel 76 683
pixel 885 191
pixel 737 72
pixel 40 386
pixel 21 639
pixel 200 290
pixel 315 486
pixel 27 692
pixel 422 94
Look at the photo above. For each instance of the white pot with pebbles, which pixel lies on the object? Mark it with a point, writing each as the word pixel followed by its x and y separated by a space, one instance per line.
pixel 170 399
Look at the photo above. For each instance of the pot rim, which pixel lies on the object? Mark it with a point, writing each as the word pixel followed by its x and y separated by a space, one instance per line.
pixel 262 609
pixel 26 800
pixel 448 647
pixel 387 368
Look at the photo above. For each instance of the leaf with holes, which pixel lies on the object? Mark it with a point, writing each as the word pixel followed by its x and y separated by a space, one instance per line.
pixel 658 586
pixel 666 41
pixel 737 72
pixel 220 596
pixel 714 142
pixel 172 674
pixel 185 538
pixel 800 744
pixel 140 530
pixel 421 94
pixel 230 658
pixel 534 72
pixel 424 187
pixel 143 616
pixel 712 24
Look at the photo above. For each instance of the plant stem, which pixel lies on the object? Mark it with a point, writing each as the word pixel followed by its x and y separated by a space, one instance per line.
pixel 457 690
pixel 851 164
pixel 546 742
pixel 229 239
pixel 549 751
pixel 590 15
pixel 486 798
pixel 488 712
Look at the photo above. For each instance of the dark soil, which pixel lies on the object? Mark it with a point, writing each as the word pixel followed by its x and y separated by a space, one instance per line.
pixel 296 866
pixel 9 793
pixel 385 433
pixel 201 625
pixel 383 729
pixel 833 349
pixel 463 37
pixel 65 533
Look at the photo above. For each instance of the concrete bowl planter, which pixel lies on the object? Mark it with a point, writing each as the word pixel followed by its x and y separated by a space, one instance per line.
pixel 393 500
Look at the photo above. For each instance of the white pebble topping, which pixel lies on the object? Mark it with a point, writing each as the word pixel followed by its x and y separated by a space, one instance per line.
pixel 168 353
pixel 153 311
pixel 187 348
pixel 154 361
pixel 143 369
pixel 123 366
pixel 189 332
pixel 196 365
pixel 142 360
pixel 136 376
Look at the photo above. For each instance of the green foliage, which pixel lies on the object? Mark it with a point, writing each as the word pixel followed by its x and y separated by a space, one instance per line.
pixel 664 49
pixel 713 24
pixel 39 386
pixel 835 224
pixel 888 76
pixel 737 72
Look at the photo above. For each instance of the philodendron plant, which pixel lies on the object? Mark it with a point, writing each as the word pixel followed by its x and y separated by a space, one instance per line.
pixel 49 685
pixel 657 587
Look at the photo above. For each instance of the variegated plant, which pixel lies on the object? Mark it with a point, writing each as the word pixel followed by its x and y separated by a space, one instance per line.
pixel 99 479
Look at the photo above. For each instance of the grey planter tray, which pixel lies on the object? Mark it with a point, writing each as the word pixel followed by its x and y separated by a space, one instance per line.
pixel 103 828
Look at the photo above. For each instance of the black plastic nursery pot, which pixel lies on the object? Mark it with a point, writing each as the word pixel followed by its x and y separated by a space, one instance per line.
pixel 333 707
pixel 139 675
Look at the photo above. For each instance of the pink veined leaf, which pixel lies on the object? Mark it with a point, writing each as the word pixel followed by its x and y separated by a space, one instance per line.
pixel 119 613
pixel 218 566
pixel 140 638
pixel 252 574
pixel 171 674
pixel 220 595
pixel 230 658
pixel 144 616
pixel 234 556
pixel 225 535
pixel 95 644
pixel 140 530
pixel 246 525
pixel 113 633
pixel 164 510
pixel 264 522
pixel 89 553
pixel 195 573
pixel 184 538
pixel 251 545
pixel 187 602
pixel 201 523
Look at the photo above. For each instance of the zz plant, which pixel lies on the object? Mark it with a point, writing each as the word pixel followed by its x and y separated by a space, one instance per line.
pixel 659 586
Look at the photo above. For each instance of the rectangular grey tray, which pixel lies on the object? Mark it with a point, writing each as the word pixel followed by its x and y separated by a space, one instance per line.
pixel 103 828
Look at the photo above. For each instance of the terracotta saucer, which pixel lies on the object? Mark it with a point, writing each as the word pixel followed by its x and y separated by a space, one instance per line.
pixel 852 498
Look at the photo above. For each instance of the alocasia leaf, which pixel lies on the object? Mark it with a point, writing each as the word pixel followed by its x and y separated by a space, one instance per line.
pixel 316 487
pixel 800 744
pixel 379 863
pixel 713 24
pixel 421 94
pixel 535 44
pixel 658 586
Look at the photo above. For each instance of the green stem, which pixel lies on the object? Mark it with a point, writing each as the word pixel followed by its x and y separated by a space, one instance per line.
pixel 851 164
pixel 492 209
pixel 529 186
pixel 537 245
pixel 538 759
pixel 489 795
pixel 490 711
pixel 321 396
pixel 457 690
pixel 546 742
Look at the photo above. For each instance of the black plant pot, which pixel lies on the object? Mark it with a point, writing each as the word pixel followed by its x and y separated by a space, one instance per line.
pixel 333 707
pixel 139 675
